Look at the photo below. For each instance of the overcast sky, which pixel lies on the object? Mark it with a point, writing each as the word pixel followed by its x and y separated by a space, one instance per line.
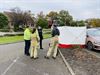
pixel 79 9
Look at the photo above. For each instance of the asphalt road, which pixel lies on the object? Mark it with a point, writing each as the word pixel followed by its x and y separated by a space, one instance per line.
pixel 14 62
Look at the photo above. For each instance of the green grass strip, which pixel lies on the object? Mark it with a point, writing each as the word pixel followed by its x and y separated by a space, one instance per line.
pixel 45 36
pixel 10 39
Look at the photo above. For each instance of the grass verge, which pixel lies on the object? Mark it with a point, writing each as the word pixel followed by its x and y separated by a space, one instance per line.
pixel 11 39
pixel 45 36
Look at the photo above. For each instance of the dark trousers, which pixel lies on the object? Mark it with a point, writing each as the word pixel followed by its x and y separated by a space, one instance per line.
pixel 40 43
pixel 27 47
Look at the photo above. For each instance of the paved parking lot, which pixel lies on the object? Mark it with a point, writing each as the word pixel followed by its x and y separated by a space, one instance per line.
pixel 13 62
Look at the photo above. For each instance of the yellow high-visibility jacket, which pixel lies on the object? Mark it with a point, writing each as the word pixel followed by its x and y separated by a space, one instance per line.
pixel 27 34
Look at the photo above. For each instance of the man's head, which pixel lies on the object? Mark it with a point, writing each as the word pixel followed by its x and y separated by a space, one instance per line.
pixel 34 29
pixel 55 25
pixel 39 27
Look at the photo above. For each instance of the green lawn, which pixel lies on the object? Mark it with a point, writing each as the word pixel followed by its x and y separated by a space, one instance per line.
pixel 10 39
pixel 45 36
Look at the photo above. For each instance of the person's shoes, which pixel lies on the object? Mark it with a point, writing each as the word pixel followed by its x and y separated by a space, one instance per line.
pixel 41 48
pixel 57 53
pixel 27 54
pixel 31 57
pixel 46 57
pixel 53 57
pixel 36 58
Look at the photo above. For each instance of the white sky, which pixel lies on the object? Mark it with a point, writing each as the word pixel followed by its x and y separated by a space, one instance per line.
pixel 79 9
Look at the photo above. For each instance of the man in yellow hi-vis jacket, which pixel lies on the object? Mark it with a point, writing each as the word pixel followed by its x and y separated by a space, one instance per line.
pixel 54 43
pixel 27 38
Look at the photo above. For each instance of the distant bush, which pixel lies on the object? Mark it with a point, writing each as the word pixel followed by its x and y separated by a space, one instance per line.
pixel 9 34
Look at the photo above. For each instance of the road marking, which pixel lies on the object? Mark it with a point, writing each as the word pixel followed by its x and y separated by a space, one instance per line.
pixel 14 61
pixel 67 64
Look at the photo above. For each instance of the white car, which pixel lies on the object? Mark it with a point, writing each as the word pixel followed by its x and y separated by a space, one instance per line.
pixel 93 38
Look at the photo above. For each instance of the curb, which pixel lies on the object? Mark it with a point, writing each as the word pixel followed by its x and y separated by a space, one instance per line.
pixel 16 42
pixel 11 43
pixel 66 63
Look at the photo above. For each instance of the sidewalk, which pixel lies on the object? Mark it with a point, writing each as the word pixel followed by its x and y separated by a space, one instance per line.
pixel 23 65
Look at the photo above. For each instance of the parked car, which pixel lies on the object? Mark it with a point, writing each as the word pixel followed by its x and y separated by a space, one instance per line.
pixel 93 38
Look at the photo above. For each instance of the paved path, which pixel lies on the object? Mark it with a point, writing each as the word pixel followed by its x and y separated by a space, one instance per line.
pixel 13 62
pixel 9 33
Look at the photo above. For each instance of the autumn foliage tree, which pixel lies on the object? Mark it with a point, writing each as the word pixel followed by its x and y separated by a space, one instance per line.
pixel 95 22
pixel 53 15
pixel 63 17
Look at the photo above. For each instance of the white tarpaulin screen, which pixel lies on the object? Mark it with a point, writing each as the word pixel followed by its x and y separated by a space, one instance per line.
pixel 72 35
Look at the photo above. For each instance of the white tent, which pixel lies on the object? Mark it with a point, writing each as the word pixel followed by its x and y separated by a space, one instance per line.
pixel 72 35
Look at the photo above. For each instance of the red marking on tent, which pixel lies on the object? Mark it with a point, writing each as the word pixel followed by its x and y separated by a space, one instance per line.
pixel 69 46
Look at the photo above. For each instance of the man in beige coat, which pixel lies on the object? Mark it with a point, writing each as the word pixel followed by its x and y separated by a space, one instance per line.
pixel 54 43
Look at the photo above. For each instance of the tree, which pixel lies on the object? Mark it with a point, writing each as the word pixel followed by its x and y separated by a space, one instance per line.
pixel 41 20
pixel 53 15
pixel 77 23
pixel 41 15
pixel 65 17
pixel 94 22
pixel 20 18
pixel 16 16
pixel 80 23
pixel 28 18
pixel 3 21
pixel 73 23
